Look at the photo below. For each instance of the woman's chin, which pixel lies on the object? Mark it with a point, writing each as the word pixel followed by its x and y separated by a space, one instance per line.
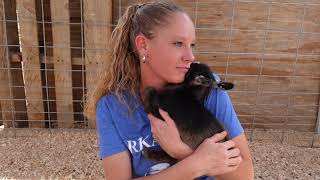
pixel 177 80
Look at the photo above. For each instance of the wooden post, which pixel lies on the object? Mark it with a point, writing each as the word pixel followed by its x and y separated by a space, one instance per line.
pixel 318 119
pixel 26 14
pixel 62 62
pixel 97 31
pixel 6 105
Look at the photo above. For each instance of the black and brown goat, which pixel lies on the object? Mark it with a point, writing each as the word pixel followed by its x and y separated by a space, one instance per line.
pixel 184 103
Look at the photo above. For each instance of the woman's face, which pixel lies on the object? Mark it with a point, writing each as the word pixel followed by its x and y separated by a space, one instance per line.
pixel 170 52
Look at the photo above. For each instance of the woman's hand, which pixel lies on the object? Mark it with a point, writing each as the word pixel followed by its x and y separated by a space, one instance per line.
pixel 167 136
pixel 217 158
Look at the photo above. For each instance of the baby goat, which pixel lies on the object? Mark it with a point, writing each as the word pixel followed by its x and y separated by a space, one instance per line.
pixel 184 103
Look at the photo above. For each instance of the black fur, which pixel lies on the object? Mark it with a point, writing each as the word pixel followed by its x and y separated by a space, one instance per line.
pixel 185 104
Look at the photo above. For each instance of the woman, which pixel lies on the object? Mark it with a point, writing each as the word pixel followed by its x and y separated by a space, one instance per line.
pixel 152 46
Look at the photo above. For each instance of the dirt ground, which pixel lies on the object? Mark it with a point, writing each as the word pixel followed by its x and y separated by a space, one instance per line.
pixel 73 154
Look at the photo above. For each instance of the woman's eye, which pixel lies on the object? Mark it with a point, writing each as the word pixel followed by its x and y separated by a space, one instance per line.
pixel 178 44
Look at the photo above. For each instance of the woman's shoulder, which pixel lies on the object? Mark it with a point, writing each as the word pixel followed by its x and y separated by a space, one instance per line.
pixel 117 103
pixel 109 101
pixel 104 100
pixel 216 94
pixel 215 77
pixel 112 98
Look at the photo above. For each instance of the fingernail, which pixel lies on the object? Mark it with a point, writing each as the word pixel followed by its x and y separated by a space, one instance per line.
pixel 150 117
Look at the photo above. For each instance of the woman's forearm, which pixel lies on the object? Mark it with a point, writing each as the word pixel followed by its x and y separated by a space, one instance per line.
pixel 244 171
pixel 183 151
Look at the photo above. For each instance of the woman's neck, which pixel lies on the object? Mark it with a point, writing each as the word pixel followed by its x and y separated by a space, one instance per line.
pixel 149 79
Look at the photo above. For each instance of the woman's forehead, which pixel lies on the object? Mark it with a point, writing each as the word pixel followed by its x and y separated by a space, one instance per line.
pixel 179 26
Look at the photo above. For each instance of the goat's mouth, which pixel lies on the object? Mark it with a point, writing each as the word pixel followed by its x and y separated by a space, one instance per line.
pixel 202 81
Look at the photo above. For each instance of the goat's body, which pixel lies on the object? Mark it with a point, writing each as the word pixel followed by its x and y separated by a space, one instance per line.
pixel 185 104
pixel 194 122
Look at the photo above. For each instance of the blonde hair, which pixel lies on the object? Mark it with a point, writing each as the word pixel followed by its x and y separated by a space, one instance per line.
pixel 123 72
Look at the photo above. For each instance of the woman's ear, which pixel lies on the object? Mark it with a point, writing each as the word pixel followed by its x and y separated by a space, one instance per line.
pixel 141 44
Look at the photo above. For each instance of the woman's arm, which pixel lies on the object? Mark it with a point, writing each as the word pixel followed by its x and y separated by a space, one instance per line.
pixel 118 167
pixel 219 103
pixel 245 169
pixel 204 161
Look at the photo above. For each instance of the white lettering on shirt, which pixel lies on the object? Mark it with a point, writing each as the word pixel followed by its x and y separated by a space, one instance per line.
pixel 135 146
pixel 132 146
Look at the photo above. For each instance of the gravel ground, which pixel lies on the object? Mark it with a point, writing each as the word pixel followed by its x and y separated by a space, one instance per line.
pixel 73 154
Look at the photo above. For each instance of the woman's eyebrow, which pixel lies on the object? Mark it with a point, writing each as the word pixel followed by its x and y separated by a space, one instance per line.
pixel 178 37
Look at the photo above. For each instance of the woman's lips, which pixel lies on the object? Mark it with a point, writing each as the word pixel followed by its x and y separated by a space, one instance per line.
pixel 183 69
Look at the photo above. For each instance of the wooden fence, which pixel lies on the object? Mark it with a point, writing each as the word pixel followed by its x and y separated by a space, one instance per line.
pixel 51 52
pixel 46 41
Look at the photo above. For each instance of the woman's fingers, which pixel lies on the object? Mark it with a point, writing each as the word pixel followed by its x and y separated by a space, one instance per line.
pixel 229 144
pixel 158 123
pixel 166 134
pixel 151 118
pixel 234 161
pixel 155 122
pixel 166 117
pixel 163 113
pixel 234 152
pixel 218 137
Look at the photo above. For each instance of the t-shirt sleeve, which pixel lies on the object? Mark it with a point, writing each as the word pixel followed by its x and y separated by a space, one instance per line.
pixel 219 104
pixel 109 140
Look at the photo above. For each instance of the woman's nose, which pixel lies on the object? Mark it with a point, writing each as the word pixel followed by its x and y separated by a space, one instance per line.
pixel 188 55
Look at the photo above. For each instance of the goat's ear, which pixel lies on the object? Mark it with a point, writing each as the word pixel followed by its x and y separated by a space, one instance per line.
pixel 151 102
pixel 225 85
pixel 149 96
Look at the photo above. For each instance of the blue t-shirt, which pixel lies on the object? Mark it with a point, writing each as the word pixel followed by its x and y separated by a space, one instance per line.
pixel 119 130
